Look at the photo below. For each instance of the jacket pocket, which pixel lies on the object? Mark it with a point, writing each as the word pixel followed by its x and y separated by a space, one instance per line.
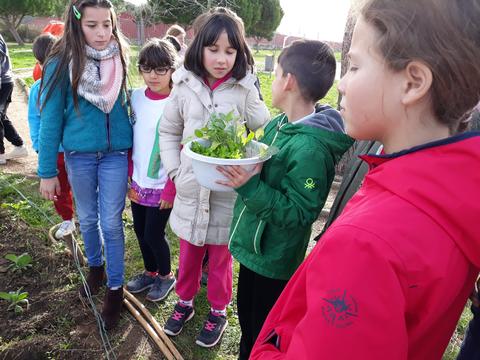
pixel 257 237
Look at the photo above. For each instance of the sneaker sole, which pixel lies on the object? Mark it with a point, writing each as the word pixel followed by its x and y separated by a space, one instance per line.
pixel 139 290
pixel 199 343
pixel 57 236
pixel 164 296
pixel 171 333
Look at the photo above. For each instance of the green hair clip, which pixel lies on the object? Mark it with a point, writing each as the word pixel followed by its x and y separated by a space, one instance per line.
pixel 77 13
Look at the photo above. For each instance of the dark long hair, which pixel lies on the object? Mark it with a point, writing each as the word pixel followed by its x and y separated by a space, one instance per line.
pixel 209 33
pixel 71 48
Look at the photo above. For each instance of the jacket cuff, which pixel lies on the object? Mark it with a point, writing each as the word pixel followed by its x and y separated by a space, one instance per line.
pixel 169 192
pixel 249 189
pixel 43 175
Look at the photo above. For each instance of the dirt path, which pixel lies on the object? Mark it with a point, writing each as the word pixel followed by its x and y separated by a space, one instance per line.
pixel 17 112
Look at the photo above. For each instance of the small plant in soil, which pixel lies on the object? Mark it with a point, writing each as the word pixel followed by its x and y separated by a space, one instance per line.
pixel 16 300
pixel 20 262
pixel 225 134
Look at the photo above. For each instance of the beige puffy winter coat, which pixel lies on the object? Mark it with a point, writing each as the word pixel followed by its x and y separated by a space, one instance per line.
pixel 199 215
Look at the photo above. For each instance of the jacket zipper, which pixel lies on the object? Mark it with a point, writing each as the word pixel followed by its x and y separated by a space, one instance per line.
pixel 108 131
pixel 255 238
pixel 236 225
pixel 279 126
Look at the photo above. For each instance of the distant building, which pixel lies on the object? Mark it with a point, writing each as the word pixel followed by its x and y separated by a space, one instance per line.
pixel 129 29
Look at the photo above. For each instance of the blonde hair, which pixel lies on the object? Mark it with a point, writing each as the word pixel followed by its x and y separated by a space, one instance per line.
pixel 175 30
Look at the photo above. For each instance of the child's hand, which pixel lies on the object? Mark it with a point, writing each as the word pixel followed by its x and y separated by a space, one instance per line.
pixel 165 205
pixel 50 188
pixel 237 175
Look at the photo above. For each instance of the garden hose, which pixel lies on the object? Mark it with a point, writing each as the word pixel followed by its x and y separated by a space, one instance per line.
pixel 78 258
pixel 148 328
pixel 147 321
pixel 170 346
pixel 70 244
pixel 154 330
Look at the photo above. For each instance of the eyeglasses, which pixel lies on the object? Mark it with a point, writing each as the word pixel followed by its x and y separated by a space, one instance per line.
pixel 148 69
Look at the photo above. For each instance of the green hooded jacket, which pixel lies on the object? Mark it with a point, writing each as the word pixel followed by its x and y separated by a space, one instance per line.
pixel 275 209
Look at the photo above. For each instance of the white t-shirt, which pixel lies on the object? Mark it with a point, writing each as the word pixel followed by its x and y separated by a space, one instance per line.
pixel 148 112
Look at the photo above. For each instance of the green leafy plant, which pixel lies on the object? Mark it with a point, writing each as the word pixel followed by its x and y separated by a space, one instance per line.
pixel 16 299
pixel 226 138
pixel 20 262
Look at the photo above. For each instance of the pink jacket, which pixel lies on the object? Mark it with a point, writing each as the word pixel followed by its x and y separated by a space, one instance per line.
pixel 391 276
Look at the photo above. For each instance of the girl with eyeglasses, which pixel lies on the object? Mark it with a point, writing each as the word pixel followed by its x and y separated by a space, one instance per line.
pixel 151 191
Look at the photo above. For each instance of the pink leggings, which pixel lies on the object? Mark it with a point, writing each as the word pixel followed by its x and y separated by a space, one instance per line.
pixel 219 288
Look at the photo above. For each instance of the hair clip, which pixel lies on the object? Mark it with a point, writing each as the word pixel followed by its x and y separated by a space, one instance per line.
pixel 77 13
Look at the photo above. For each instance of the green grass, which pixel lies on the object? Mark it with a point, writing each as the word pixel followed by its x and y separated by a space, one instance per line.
pixel 10 199
pixel 21 56
pixel 29 81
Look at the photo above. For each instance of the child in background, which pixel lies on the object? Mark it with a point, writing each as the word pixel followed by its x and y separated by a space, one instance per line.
pixel 64 202
pixel 390 277
pixel 178 33
pixel 173 40
pixel 84 107
pixel 278 203
pixel 54 28
pixel 7 130
pixel 151 191
pixel 217 77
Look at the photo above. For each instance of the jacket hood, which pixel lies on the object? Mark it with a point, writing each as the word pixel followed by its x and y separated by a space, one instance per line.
pixel 326 125
pixel 442 180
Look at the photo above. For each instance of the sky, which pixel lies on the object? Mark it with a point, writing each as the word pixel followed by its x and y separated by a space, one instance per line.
pixel 314 19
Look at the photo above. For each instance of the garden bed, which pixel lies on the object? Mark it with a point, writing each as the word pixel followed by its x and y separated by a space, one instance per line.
pixel 56 324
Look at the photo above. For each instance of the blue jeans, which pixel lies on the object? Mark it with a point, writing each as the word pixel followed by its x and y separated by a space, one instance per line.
pixel 99 184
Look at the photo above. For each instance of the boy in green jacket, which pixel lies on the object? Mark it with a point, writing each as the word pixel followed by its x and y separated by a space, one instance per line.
pixel 278 203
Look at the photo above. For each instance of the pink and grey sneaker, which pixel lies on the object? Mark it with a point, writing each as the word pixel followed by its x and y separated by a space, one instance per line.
pixel 181 314
pixel 212 330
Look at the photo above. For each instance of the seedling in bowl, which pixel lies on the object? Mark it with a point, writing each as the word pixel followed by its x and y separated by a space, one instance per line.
pixel 225 136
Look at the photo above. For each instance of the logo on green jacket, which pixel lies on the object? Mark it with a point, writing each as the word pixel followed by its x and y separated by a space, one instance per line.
pixel 309 184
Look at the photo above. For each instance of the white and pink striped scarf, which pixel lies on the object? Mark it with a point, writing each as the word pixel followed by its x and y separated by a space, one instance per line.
pixel 102 77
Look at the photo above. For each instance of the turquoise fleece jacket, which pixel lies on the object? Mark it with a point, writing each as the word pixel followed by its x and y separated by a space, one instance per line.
pixel 86 129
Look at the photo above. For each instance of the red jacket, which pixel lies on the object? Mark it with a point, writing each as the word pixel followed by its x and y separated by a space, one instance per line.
pixel 391 276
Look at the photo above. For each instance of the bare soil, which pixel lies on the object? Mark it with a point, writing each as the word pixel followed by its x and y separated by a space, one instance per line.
pixel 57 325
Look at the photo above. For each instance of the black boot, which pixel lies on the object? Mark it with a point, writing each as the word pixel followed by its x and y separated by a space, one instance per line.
pixel 112 305
pixel 95 279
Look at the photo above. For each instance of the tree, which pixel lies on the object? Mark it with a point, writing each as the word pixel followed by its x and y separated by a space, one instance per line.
pixel 270 16
pixel 12 13
pixel 184 12
pixel 250 11
pixel 347 41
